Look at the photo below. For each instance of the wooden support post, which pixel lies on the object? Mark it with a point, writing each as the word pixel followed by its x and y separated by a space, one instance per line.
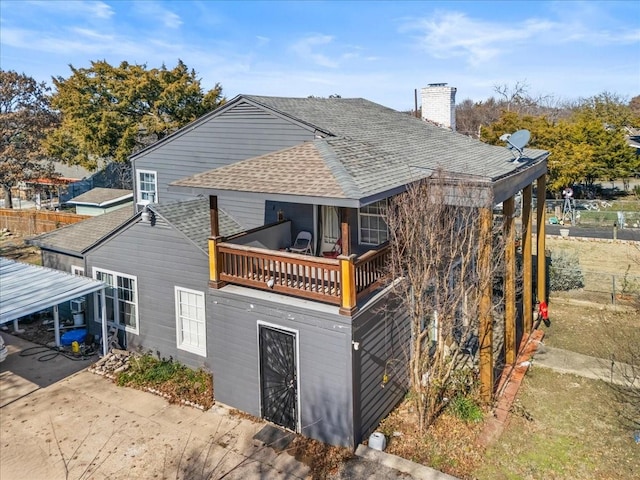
pixel 348 292
pixel 215 264
pixel 486 319
pixel 527 266
pixel 213 216
pixel 540 249
pixel 345 231
pixel 509 228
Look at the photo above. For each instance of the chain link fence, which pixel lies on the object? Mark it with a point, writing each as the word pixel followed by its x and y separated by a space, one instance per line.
pixel 614 288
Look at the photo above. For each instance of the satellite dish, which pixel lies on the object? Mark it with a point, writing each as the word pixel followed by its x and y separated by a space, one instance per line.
pixel 517 141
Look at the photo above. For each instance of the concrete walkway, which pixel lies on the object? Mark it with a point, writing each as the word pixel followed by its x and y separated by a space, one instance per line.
pixel 565 361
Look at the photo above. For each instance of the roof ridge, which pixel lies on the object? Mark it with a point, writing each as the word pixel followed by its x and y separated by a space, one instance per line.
pixel 344 179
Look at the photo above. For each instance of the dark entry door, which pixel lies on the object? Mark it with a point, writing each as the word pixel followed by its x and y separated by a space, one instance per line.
pixel 278 382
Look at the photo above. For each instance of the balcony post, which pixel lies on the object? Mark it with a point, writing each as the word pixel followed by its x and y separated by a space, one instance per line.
pixel 541 195
pixel 509 229
pixel 345 231
pixel 214 240
pixel 213 216
pixel 347 285
pixel 486 317
pixel 527 266
pixel 215 265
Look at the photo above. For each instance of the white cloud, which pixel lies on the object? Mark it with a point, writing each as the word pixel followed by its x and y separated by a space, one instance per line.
pixel 155 12
pixel 455 34
pixel 262 41
pixel 307 49
pixel 93 10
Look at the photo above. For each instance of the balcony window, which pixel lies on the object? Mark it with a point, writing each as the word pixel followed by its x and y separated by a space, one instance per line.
pixel 372 228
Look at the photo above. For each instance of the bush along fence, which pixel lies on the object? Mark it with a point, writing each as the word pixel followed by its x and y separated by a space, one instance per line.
pixel 33 222
pixel 565 274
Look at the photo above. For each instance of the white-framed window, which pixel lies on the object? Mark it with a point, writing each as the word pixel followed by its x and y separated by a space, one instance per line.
pixel 75 270
pixel 121 298
pixel 191 327
pixel 372 228
pixel 147 186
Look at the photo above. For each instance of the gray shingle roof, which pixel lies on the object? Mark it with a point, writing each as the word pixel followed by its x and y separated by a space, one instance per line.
pixel 191 218
pixel 366 149
pixel 77 238
pixel 101 196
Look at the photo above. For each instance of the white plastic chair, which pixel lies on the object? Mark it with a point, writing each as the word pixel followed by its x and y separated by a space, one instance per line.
pixel 302 243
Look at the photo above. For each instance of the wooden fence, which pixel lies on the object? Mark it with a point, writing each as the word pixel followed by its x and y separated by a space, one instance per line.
pixel 33 222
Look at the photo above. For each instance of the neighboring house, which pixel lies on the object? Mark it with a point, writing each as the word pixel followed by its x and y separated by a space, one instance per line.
pixel 310 343
pixel 99 201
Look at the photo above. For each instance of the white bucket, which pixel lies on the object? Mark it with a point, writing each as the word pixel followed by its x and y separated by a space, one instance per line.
pixel 78 319
pixel 377 441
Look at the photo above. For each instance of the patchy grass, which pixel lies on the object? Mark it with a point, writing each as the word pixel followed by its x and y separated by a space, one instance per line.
pixel 588 328
pixel 573 432
pixel 562 426
pixel 172 379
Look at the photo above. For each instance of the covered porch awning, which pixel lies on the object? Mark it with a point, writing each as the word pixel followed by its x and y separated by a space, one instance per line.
pixel 27 289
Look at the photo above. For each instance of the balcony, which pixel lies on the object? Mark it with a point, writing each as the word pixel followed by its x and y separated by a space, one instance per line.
pixel 258 259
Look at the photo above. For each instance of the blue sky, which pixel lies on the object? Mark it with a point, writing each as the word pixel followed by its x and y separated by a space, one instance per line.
pixel 378 50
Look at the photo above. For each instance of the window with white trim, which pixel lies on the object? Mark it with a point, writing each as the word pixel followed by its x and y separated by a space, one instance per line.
pixel 121 298
pixel 75 270
pixel 147 186
pixel 191 328
pixel 372 228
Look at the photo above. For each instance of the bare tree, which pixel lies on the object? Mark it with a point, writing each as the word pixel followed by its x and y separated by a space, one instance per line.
pixel 435 237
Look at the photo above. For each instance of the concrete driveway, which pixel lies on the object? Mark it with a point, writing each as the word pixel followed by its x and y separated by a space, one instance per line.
pixel 86 427
pixel 59 421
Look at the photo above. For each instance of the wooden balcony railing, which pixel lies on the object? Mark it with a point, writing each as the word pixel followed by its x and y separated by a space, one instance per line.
pixel 370 269
pixel 339 281
pixel 293 274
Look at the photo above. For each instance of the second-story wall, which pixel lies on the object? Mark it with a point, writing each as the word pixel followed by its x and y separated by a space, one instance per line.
pixel 240 132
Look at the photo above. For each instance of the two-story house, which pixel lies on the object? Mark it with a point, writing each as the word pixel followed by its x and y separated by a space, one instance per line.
pixel 206 269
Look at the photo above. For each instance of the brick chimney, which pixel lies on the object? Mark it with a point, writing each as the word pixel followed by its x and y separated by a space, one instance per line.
pixel 439 105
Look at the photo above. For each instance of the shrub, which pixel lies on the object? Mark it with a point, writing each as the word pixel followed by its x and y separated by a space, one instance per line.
pixel 466 409
pixel 173 379
pixel 565 272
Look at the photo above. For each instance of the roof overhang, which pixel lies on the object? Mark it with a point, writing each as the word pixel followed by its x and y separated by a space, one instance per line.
pixel 27 289
pixel 105 203
pixel 507 186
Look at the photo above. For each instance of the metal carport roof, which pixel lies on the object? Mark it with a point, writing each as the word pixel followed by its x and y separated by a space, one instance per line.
pixel 27 289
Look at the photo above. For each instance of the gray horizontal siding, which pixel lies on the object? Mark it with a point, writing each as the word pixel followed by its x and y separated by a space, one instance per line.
pixel 324 361
pixel 161 258
pixel 384 334
pixel 60 261
pixel 239 133
pixel 246 211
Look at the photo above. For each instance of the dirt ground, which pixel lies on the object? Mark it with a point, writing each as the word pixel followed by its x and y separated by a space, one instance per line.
pixel 12 246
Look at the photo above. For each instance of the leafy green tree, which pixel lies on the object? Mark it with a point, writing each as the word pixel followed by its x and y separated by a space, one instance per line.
pixel 25 119
pixel 110 112
pixel 583 148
